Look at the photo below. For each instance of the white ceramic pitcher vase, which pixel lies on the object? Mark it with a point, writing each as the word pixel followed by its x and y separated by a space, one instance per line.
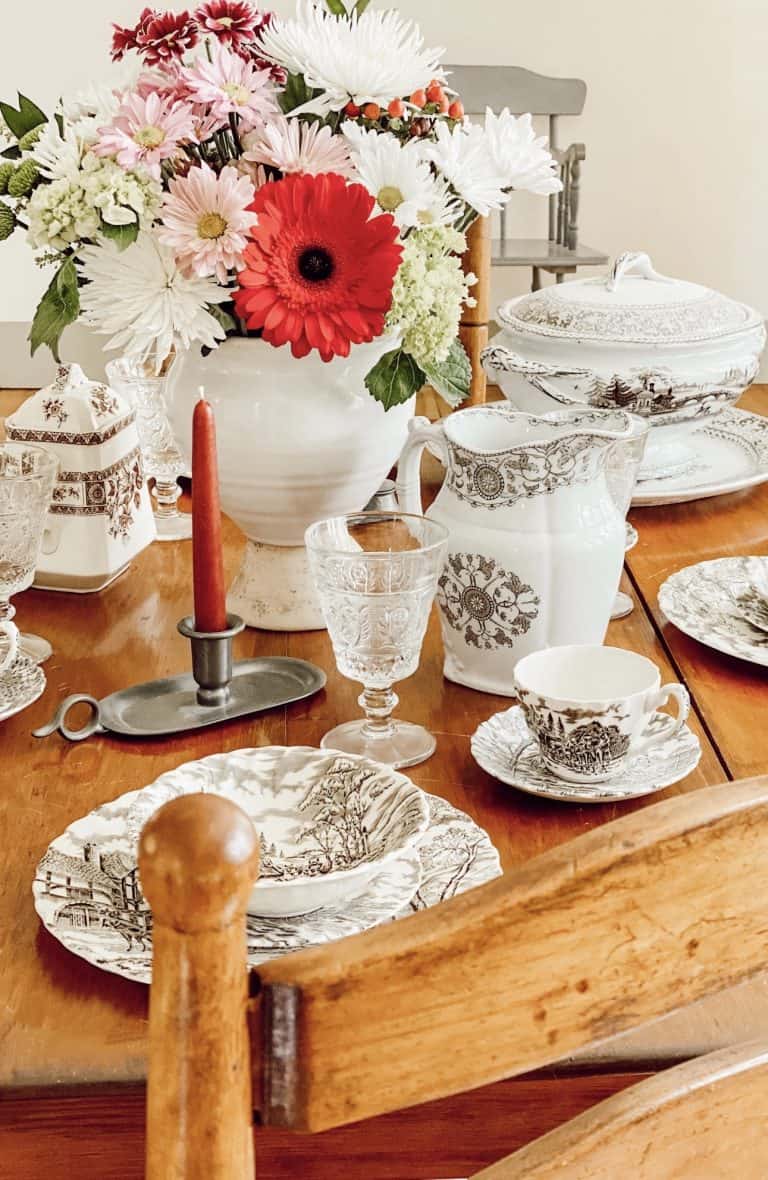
pixel 537 536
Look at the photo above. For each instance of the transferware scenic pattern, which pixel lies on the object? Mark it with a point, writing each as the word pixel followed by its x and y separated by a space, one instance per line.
pixel 489 605
pixel 353 813
pixel 88 894
pixel 585 744
pixel 701 600
pixel 505 748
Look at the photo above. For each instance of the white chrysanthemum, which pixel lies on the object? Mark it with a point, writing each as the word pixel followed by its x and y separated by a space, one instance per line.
pixel 396 175
pixel 521 155
pixel 374 57
pixel 96 101
pixel 463 157
pixel 58 155
pixel 428 294
pixel 294 146
pixel 141 300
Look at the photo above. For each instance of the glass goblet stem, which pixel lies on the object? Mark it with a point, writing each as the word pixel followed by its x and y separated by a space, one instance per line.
pixel 378 704
pixel 7 610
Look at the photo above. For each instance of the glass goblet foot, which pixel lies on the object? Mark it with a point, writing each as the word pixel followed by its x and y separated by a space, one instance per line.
pixel 404 744
pixel 170 524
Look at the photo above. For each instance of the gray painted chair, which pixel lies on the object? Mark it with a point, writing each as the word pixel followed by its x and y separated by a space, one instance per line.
pixel 560 253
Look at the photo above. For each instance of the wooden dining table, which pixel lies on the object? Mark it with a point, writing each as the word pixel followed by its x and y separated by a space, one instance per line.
pixel 73 1038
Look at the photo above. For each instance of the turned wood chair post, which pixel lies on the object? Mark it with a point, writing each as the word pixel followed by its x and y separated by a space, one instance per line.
pixel 198 860
pixel 474 320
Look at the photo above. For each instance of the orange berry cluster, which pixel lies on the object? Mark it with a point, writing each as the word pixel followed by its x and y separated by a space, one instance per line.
pixel 434 95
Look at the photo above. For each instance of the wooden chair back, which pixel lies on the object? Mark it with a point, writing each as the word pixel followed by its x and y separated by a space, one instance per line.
pixel 704 1120
pixel 627 923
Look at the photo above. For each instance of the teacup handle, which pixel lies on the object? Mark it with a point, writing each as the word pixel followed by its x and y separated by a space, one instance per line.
pixel 12 632
pixel 408 488
pixel 666 693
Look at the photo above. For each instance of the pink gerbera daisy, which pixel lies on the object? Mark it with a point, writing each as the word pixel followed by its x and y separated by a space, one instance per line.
pixel 231 86
pixel 205 221
pixel 293 146
pixel 233 22
pixel 145 131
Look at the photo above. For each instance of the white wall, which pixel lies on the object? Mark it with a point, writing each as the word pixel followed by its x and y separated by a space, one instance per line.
pixel 675 121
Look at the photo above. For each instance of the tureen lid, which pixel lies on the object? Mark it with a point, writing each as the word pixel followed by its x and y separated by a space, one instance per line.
pixel 631 304
pixel 69 408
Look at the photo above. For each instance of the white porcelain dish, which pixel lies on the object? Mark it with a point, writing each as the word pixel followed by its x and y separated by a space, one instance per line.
pixel 327 822
pixel 88 895
pixel 702 602
pixel 671 351
pixel 731 456
pixel 505 747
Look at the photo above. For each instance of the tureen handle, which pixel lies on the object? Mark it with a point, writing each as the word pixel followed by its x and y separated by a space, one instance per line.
pixel 637 261
pixel 420 432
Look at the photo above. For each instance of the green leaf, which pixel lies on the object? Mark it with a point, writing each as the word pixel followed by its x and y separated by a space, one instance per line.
pixel 11 153
pixel 20 121
pixel 222 317
pixel 59 306
pixel 452 378
pixel 360 7
pixel 337 7
pixel 394 379
pixel 121 235
pixel 295 93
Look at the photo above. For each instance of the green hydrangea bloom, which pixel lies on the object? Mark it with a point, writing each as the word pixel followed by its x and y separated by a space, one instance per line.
pixel 428 293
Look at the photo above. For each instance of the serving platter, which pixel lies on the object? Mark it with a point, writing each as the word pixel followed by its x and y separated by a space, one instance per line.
pixel 732 454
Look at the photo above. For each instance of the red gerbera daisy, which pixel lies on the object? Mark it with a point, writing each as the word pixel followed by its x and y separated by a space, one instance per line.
pixel 319 270
pixel 234 22
pixel 124 38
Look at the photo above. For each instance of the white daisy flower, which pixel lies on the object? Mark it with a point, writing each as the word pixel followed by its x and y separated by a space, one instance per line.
pixel 395 174
pixel 521 156
pixel 463 157
pixel 89 109
pixel 294 146
pixel 374 57
pixel 141 300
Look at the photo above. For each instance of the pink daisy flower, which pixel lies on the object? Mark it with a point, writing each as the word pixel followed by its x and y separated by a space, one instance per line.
pixel 228 85
pixel 205 221
pixel 233 22
pixel 145 131
pixel 293 146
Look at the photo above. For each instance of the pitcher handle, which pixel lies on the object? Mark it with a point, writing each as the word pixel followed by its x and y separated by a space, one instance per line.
pixel 408 484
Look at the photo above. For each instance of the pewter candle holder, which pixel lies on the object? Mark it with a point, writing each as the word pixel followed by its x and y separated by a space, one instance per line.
pixel 212 659
pixel 217 690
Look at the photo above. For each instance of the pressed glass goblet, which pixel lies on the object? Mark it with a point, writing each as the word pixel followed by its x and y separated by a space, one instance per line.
pixel 376 576
pixel 27 476
pixel 145 392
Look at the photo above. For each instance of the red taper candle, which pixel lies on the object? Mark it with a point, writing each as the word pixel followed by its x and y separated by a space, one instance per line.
pixel 207 559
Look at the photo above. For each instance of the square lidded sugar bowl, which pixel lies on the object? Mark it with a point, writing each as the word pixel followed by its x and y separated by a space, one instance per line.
pixel 100 516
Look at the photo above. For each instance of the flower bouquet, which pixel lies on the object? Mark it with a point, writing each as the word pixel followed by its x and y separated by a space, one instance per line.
pixel 307 180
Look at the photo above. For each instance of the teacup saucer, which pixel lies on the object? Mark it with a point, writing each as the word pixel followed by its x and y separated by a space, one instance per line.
pixel 20 684
pixel 505 747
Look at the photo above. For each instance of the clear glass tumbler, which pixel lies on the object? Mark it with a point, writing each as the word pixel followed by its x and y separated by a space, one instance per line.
pixel 144 390
pixel 27 476
pixel 376 576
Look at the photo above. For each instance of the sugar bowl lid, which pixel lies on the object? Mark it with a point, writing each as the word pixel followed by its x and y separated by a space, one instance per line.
pixel 70 408
pixel 632 304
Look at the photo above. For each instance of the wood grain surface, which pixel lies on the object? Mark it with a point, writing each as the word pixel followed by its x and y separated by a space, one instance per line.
pixel 63 1021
